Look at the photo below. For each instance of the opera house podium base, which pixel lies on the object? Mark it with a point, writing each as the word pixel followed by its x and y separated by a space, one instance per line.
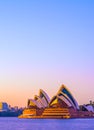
pixel 55 113
pixel 47 113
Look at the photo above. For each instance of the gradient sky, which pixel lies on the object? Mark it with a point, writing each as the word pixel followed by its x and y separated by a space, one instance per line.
pixel 43 44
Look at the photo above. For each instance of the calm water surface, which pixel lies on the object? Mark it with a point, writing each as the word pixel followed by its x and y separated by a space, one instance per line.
pixel 46 124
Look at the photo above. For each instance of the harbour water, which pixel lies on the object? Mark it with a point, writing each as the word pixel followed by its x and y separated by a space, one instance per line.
pixel 11 123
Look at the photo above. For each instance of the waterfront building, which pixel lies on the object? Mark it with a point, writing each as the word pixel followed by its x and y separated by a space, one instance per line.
pixel 62 105
pixel 4 106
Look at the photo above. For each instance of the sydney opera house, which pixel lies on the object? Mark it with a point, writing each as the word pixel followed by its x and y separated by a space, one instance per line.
pixel 62 105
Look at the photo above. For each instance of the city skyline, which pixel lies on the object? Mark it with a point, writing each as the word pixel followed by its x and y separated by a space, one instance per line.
pixel 45 44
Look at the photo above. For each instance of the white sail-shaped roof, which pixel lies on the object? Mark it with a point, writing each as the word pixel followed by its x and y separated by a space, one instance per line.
pixel 33 103
pixel 66 97
pixel 63 97
pixel 40 101
pixel 89 107
pixel 44 94
pixel 68 94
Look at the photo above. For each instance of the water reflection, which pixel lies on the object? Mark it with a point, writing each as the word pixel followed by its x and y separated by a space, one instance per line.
pixel 46 124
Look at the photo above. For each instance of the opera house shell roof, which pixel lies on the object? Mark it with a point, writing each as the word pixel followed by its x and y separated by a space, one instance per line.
pixel 63 98
pixel 40 101
pixel 88 107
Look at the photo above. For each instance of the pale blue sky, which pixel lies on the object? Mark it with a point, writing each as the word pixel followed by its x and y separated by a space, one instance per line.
pixel 44 43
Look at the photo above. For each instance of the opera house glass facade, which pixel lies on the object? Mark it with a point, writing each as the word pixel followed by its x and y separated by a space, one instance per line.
pixel 62 105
